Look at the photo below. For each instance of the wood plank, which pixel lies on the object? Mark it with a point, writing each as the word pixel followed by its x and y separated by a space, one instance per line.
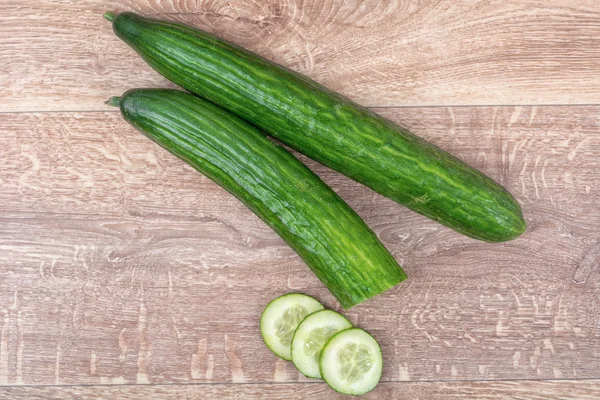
pixel 63 56
pixel 119 264
pixel 90 333
pixel 523 390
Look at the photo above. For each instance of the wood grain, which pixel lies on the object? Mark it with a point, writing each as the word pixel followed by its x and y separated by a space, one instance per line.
pixel 522 390
pixel 125 274
pixel 61 55
pixel 119 264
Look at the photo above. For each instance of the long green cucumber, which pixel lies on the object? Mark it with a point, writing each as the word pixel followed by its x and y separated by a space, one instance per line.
pixel 327 127
pixel 327 234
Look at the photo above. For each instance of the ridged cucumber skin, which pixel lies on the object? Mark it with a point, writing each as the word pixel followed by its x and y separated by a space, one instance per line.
pixel 327 127
pixel 327 234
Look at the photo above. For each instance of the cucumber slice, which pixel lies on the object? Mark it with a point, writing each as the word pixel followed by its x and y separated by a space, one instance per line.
pixel 280 319
pixel 351 362
pixel 310 336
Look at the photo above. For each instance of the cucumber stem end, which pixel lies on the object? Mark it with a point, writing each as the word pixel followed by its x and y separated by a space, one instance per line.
pixel 109 16
pixel 114 101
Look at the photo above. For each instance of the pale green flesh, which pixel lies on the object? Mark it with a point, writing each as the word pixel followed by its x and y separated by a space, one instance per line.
pixel 355 361
pixel 351 362
pixel 286 325
pixel 316 339
pixel 281 318
pixel 311 335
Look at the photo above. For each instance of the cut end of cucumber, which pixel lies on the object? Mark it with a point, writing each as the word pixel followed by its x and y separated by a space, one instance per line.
pixel 351 362
pixel 280 319
pixel 353 299
pixel 310 336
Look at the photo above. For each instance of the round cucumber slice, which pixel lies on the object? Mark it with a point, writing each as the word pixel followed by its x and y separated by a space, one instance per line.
pixel 280 319
pixel 351 362
pixel 310 336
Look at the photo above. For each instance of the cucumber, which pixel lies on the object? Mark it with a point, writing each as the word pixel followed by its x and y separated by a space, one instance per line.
pixel 327 234
pixel 327 127
pixel 351 362
pixel 310 336
pixel 280 319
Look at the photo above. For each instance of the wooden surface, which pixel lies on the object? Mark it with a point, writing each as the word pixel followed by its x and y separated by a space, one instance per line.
pixel 125 274
pixel 534 390
pixel 379 52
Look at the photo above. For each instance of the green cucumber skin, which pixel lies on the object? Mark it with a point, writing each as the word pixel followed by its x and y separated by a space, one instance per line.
pixel 327 127
pixel 327 234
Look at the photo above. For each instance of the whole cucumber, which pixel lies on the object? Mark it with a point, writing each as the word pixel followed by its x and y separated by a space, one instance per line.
pixel 327 127
pixel 329 236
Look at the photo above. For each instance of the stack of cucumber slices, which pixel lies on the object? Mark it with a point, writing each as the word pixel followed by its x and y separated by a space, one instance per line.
pixel 322 343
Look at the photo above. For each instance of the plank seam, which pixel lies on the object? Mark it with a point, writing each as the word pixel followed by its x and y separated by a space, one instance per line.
pixel 266 383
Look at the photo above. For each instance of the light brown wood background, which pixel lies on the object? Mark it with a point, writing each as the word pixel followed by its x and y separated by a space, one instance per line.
pixel 125 274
